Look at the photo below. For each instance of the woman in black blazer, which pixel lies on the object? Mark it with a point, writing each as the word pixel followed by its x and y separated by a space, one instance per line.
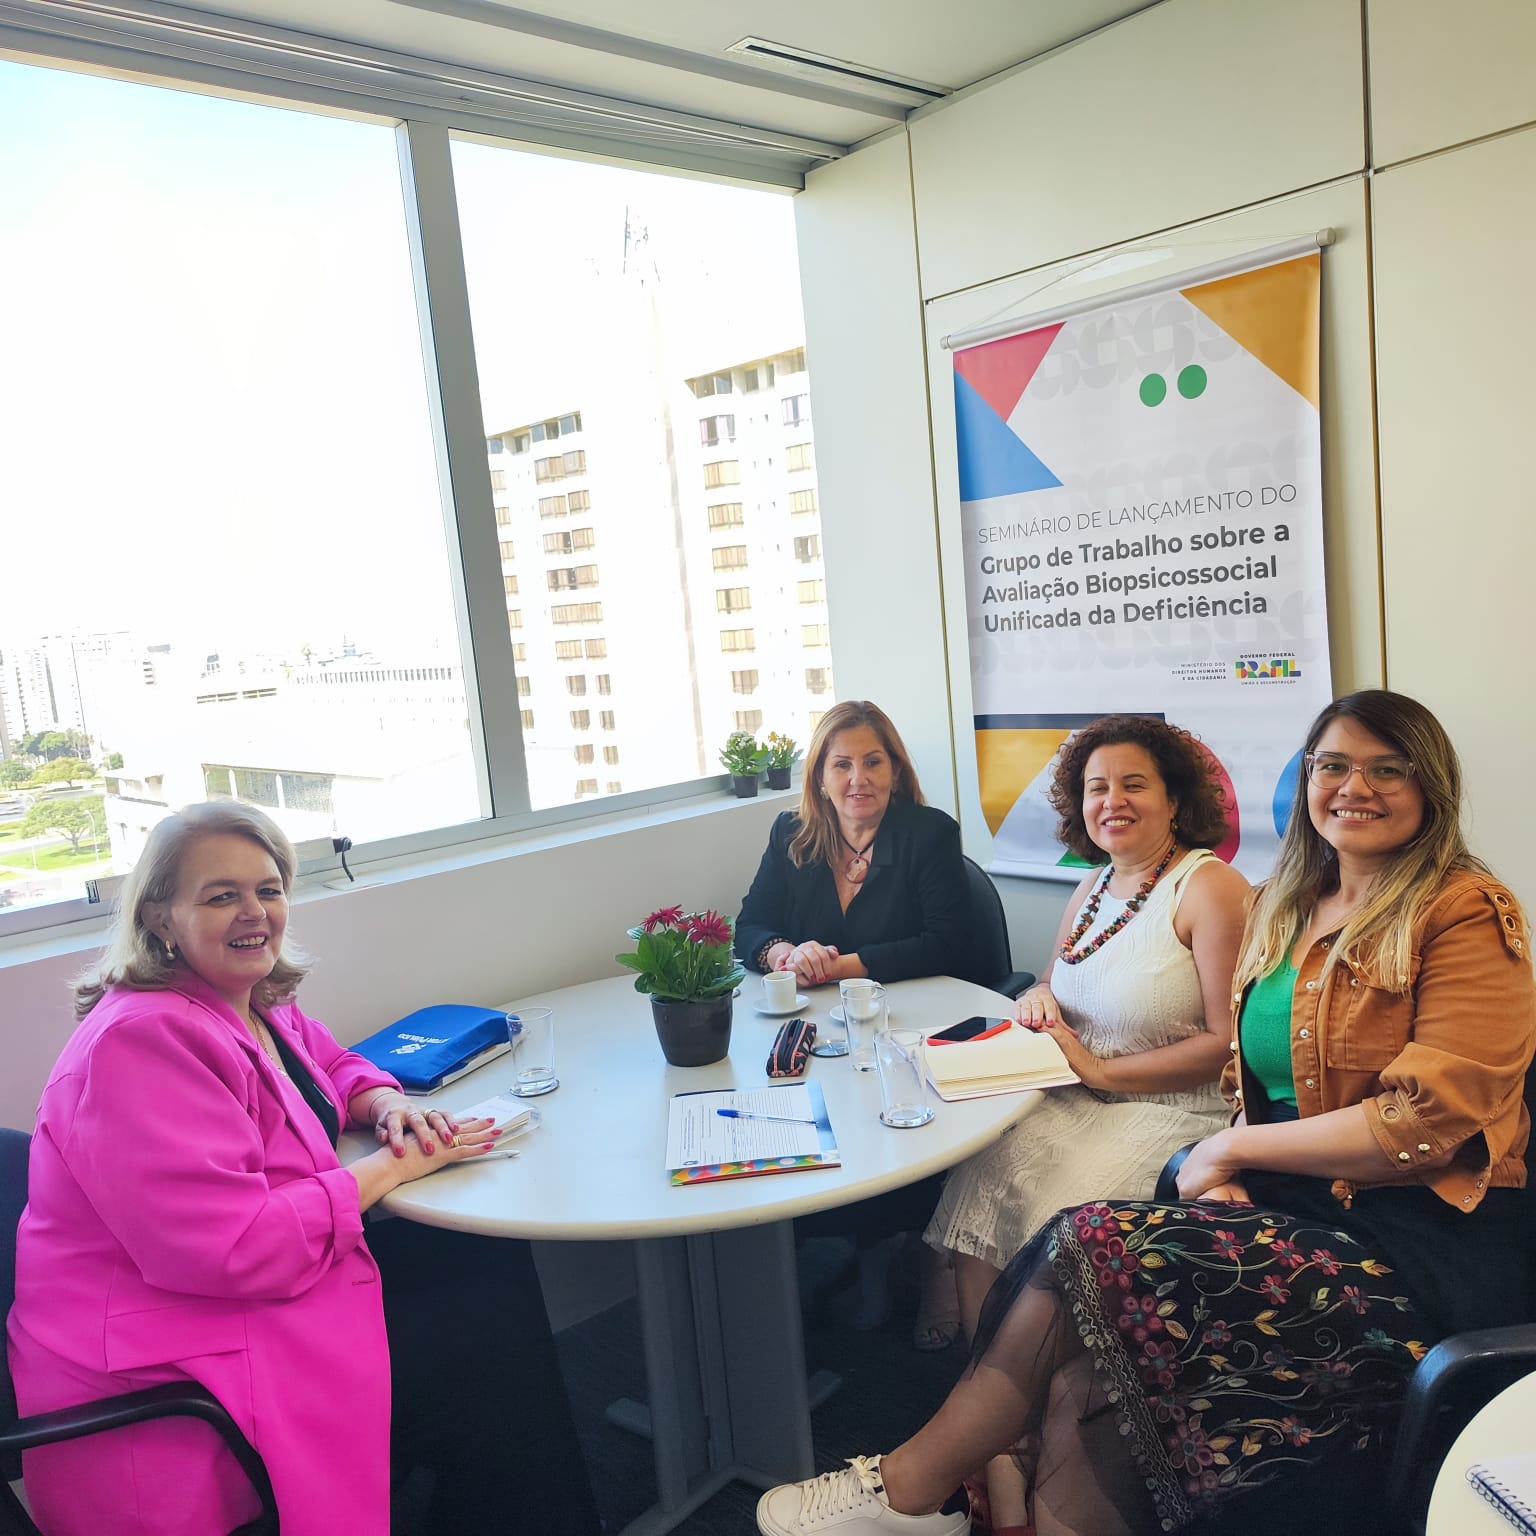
pixel 865 879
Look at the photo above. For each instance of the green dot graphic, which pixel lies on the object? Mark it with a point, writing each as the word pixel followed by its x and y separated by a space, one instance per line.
pixel 1154 389
pixel 1192 382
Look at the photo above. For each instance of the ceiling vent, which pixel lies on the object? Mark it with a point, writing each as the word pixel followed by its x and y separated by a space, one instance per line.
pixel 862 78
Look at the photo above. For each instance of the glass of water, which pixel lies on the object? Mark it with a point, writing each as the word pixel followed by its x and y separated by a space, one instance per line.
pixel 532 1033
pixel 863 1018
pixel 903 1088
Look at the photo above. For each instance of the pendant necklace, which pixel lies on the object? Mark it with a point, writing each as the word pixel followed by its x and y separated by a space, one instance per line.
pixel 1070 956
pixel 857 867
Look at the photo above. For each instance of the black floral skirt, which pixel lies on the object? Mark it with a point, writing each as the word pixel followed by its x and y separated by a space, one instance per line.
pixel 1243 1343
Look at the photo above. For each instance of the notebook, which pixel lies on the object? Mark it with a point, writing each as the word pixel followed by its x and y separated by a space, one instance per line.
pixel 1007 1062
pixel 736 1133
pixel 1509 1484
pixel 436 1045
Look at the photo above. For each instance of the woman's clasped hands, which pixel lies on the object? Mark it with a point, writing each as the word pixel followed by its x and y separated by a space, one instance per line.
pixel 812 963
pixel 1038 1010
pixel 418 1132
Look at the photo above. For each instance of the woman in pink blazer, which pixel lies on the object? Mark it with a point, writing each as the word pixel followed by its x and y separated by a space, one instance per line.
pixel 188 1218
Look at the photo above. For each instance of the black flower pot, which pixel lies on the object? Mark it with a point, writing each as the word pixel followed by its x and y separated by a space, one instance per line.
pixel 778 778
pixel 746 785
pixel 693 1034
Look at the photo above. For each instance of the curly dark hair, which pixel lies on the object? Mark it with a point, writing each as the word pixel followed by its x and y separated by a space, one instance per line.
pixel 1188 773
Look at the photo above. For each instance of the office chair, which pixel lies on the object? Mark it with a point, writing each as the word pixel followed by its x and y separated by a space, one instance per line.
pixel 181 1399
pixel 1448 1386
pixel 992 955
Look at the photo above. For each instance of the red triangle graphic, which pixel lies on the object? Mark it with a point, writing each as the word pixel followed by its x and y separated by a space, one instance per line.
pixel 1000 371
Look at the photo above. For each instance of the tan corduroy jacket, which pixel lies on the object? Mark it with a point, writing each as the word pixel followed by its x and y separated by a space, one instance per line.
pixel 1439 1067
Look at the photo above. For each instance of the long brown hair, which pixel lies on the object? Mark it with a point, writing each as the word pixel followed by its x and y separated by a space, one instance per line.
pixel 135 957
pixel 1379 937
pixel 820 834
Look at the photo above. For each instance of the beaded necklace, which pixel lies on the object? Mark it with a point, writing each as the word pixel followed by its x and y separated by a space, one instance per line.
pixel 1132 907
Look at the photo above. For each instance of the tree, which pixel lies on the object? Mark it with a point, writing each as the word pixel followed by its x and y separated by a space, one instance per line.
pixel 13 773
pixel 65 770
pixel 115 761
pixel 69 818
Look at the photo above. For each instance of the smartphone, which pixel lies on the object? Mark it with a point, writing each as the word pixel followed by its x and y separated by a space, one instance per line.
pixel 977 1027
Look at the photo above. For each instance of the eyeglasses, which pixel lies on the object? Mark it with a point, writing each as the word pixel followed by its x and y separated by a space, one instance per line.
pixel 1332 770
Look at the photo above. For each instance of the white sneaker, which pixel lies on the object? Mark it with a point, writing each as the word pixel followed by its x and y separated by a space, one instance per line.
pixel 850 1502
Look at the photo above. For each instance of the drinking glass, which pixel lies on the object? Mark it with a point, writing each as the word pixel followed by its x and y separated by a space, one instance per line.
pixel 903 1089
pixel 863 1018
pixel 532 1033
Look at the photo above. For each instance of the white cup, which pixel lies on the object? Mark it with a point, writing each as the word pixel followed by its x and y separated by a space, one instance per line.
pixel 864 1017
pixel 532 1033
pixel 780 989
pixel 903 1086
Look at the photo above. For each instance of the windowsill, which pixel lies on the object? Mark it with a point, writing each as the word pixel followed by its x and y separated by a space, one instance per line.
pixel 85 937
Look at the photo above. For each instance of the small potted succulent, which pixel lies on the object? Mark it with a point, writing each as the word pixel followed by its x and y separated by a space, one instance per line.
pixel 686 962
pixel 782 752
pixel 744 761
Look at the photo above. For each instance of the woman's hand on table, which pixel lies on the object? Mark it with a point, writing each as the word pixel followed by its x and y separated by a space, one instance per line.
pixel 394 1116
pixel 811 962
pixel 1037 1007
pixel 386 1170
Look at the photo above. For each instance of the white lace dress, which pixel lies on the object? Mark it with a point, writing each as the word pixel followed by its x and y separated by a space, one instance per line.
pixel 1139 991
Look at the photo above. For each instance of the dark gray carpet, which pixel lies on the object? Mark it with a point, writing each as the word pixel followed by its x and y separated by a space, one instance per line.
pixel 888 1390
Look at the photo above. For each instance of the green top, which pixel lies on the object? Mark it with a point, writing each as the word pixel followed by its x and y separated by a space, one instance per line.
pixel 1267 1033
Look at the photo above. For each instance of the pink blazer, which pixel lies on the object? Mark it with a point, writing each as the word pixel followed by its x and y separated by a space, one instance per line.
pixel 189 1219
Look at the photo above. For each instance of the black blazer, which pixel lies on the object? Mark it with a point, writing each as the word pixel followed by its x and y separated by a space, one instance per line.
pixel 911 917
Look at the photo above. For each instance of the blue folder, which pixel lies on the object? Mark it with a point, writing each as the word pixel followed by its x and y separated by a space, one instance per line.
pixel 434 1045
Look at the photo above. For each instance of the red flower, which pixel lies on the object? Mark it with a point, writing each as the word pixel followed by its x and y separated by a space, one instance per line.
pixel 1138 1317
pixel 1325 1261
pixel 1274 1289
pixel 1287 1252
pixel 1114 1264
pixel 709 928
pixel 665 917
pixel 1353 1296
pixel 1227 1245
pixel 1095 1223
pixel 1294 1430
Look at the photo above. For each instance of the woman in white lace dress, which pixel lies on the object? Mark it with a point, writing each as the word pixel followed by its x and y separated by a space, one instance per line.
pixel 1137 996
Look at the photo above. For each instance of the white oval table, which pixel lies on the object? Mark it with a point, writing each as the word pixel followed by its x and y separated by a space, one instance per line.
pixel 715 1265
pixel 1506 1426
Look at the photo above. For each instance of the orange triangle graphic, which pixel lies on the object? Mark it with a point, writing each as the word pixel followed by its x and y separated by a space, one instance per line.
pixel 1273 314
pixel 1007 763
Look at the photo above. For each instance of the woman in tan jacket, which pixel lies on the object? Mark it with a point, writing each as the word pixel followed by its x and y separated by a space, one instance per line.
pixel 1154 1362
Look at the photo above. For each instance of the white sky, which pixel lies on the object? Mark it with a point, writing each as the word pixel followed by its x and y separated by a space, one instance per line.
pixel 212 415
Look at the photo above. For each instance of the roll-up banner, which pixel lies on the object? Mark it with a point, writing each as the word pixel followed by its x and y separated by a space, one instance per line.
pixel 1141 506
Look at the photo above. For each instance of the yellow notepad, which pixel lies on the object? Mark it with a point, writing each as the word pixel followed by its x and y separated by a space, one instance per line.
pixel 1009 1062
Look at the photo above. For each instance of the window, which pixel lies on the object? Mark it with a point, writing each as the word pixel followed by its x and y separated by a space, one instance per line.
pixel 498 479
pixel 799 457
pixel 711 384
pixel 568 578
pixel 818 680
pixel 514 618
pixel 737 640
pixel 596 650
pixel 576 613
pixel 503 516
pixel 548 469
pixel 749 719
pixel 744 682
pixel 585 752
pixel 576 686
pixel 582 538
pixel 567 650
pixel 585 787
pixel 605 719
pixel 813 591
pixel 521 442
pixel 797 410
pixel 581 501
pixel 574 463
pixel 714 430
pixel 524 686
pixel 494 445
pixel 722 472
pixel 611 756
pixel 808 547
pixel 754 379
pixel 603 682
pixel 729 557
pixel 553 506
pixel 557 544
pixel 615 787
pixel 581 719
pixel 802 501
pixel 733 599
pixel 727 514
pixel 519 651
pixel 813 635
pixel 539 431
pixel 527 719
pixel 509 585
pixel 793 362
pixel 507 550
pixel 571 423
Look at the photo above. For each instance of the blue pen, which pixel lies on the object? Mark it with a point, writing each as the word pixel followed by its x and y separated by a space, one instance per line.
pixel 747 1114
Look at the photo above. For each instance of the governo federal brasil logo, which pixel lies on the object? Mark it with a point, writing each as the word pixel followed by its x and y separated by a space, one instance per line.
pixel 1267 668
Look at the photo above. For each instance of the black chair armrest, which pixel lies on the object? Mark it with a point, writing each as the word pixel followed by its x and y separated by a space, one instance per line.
pixel 1168 1180
pixel 176 1400
pixel 1016 983
pixel 1457 1377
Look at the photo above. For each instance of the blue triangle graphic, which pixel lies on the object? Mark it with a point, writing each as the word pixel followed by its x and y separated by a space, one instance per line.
pixel 993 461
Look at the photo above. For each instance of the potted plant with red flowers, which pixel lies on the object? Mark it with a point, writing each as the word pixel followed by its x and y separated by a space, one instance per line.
pixel 686 963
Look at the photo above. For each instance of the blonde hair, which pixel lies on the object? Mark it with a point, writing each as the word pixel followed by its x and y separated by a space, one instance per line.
pixel 135 956
pixel 1378 939
pixel 819 834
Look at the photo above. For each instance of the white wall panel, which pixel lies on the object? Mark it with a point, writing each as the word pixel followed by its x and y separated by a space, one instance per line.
pixel 1442 74
pixel 1191 108
pixel 1456 332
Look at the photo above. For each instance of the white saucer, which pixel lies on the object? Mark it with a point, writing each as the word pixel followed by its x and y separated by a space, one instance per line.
pixel 801 1003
